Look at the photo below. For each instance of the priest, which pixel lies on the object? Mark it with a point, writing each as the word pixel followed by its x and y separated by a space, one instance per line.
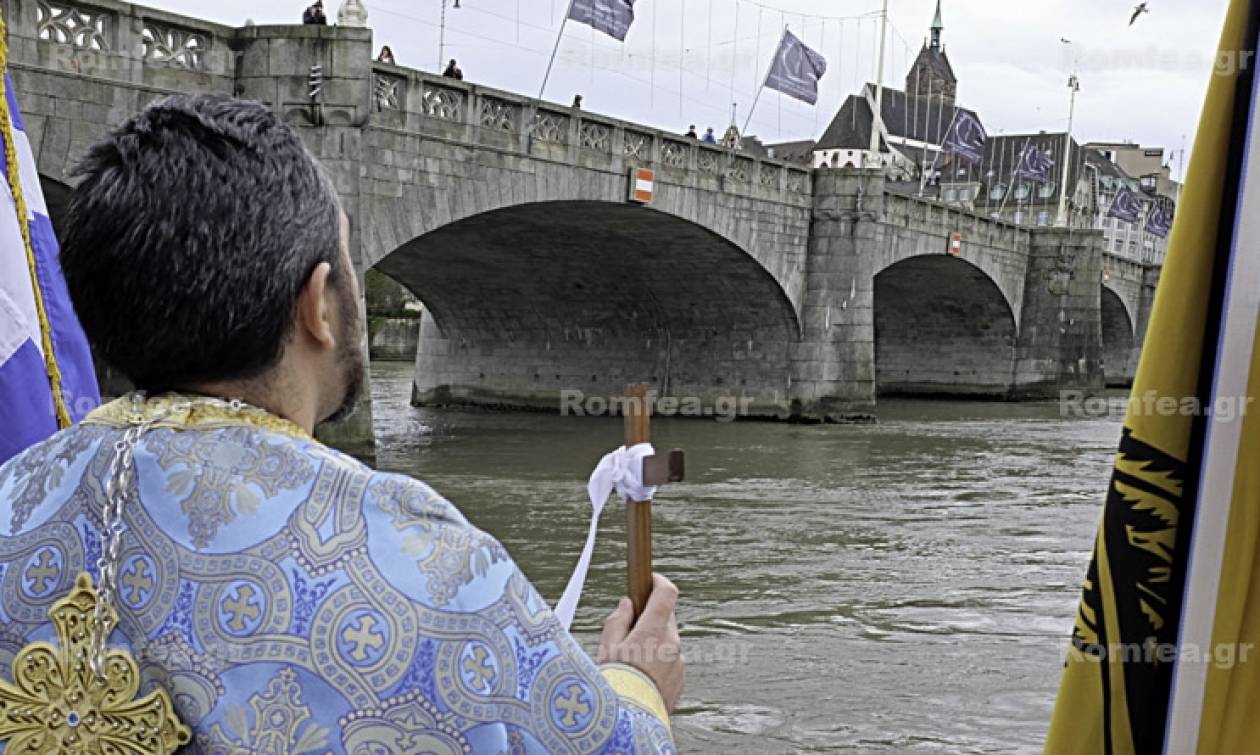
pixel 195 570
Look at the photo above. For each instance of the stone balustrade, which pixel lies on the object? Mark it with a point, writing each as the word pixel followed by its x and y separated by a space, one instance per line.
pixel 467 113
pixel 930 216
pixel 113 39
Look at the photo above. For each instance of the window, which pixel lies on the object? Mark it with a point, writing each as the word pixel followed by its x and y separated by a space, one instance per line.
pixel 1119 245
pixel 1019 217
pixel 1043 217
pixel 964 195
pixel 951 195
pixel 1022 191
pixel 1047 190
pixel 998 191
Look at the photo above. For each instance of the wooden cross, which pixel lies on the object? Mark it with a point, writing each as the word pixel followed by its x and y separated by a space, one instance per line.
pixel 657 470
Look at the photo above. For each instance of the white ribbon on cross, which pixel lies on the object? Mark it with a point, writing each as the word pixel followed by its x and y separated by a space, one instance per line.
pixel 623 470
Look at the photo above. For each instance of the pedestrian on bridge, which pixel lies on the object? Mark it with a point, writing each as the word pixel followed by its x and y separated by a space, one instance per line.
pixel 691 132
pixel 315 14
pixel 708 137
pixel 386 56
pixel 452 71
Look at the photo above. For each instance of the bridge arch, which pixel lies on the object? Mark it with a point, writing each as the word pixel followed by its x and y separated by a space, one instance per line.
pixel 942 327
pixel 475 189
pixel 525 301
pixel 1118 339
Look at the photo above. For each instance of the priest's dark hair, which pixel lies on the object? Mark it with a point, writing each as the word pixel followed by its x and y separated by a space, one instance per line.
pixel 189 238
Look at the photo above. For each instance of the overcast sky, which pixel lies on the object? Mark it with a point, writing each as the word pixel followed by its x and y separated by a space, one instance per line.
pixel 685 62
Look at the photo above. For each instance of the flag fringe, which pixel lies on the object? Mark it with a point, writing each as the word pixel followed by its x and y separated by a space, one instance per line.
pixel 19 199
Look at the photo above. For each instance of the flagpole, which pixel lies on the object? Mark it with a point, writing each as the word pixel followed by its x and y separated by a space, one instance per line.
pixel 1074 84
pixel 555 50
pixel 764 81
pixel 1015 170
pixel 877 121
pixel 927 121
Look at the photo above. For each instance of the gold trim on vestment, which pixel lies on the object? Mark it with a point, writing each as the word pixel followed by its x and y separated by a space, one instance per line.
pixel 637 688
pixel 179 411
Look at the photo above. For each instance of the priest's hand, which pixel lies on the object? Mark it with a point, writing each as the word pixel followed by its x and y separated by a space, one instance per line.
pixel 652 644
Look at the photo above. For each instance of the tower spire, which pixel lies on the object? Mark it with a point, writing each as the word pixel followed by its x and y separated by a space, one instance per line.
pixel 938 26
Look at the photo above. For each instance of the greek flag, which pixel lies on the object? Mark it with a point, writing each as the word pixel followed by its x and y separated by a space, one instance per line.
pixel 1126 207
pixel 1034 165
pixel 966 138
pixel 1158 222
pixel 796 69
pixel 612 17
pixel 47 380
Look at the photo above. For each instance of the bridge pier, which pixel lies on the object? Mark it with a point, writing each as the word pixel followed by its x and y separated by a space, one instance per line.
pixel 1060 333
pixel 274 66
pixel 832 366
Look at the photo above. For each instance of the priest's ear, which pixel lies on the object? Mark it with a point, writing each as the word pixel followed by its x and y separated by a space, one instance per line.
pixel 313 320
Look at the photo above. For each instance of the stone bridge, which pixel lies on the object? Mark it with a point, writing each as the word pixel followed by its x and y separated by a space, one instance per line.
pixel 804 293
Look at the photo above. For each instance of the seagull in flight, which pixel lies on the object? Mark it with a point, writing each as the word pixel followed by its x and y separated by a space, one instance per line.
pixel 1138 11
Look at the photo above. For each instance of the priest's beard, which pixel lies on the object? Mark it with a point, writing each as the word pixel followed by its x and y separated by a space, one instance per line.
pixel 350 355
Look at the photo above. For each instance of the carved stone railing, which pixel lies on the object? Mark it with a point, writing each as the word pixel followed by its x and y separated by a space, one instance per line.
pixel 1115 261
pixel 119 40
pixel 499 115
pixel 80 26
pixel 596 136
pixel 637 145
pixel 550 127
pixel 930 216
pixel 464 113
pixel 387 93
pixel 186 48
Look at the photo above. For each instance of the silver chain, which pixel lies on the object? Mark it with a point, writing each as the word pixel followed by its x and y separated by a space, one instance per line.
pixel 121 472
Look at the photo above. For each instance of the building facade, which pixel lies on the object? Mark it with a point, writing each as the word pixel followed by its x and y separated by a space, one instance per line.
pixel 915 122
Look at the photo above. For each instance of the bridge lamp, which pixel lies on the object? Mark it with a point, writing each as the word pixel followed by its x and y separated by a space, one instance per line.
pixel 442 34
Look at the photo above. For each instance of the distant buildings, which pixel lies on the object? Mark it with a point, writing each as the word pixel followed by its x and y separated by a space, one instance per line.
pixel 914 126
pixel 1141 169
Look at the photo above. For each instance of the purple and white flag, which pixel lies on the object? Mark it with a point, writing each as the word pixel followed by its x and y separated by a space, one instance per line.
pixel 612 17
pixel 1126 206
pixel 966 138
pixel 1034 165
pixel 796 70
pixel 40 335
pixel 1158 222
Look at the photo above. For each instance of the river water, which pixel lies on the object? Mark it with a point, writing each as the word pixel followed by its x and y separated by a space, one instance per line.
pixel 906 586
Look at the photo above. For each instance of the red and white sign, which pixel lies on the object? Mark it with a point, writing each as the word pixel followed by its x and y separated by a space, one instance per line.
pixel 955 244
pixel 642 185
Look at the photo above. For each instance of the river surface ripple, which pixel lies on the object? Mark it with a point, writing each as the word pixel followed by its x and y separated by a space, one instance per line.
pixel 906 586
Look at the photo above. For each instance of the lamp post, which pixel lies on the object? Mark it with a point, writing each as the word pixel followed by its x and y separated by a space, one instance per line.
pixel 877 119
pixel 1074 86
pixel 442 34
